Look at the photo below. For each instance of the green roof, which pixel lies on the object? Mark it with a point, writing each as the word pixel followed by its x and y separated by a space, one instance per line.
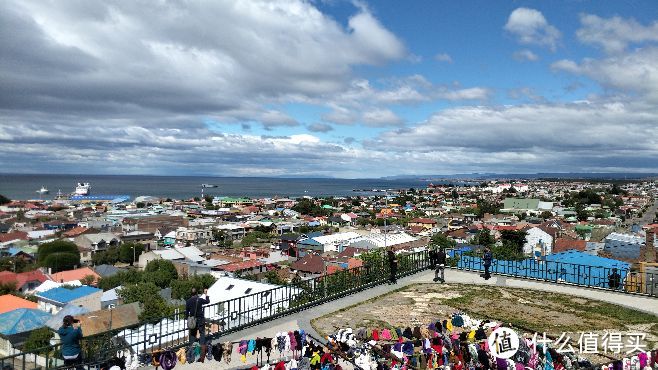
pixel 520 203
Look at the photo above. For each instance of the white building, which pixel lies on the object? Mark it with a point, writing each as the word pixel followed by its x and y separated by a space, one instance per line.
pixel 538 240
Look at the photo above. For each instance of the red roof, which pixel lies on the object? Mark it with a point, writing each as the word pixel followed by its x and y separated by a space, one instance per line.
pixel 239 266
pixel 9 302
pixel 423 221
pixel 77 274
pixel 78 230
pixel 565 244
pixel 505 227
pixel 331 269
pixel 14 235
pixel 312 263
pixel 22 278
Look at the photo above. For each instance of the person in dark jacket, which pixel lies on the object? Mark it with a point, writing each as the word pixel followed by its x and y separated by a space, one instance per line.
pixel 487 257
pixel 440 265
pixel 194 307
pixel 392 265
pixel 614 279
pixel 70 333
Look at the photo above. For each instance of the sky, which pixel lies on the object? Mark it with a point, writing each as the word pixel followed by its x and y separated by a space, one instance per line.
pixel 349 89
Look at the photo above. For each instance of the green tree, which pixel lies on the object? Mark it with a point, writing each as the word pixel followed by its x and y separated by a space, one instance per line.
pixel 485 206
pixel 182 288
pixel 110 256
pixel 121 278
pixel 37 339
pixel 88 280
pixel 512 242
pixel 62 261
pixel 7 287
pixel 442 241
pixel 273 278
pixel 160 272
pixel 154 307
pixel 546 215
pixel 129 252
pixel 59 255
pixel 4 200
pixel 140 204
pixel 484 237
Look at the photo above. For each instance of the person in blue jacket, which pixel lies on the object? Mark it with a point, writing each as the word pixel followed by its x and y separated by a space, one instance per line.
pixel 70 333
pixel 487 257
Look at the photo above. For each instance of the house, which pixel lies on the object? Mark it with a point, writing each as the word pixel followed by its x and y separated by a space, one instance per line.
pixel 535 206
pixel 25 281
pixel 249 267
pixel 53 300
pixel 311 264
pixel 9 302
pixel 151 224
pixel 14 323
pixel 424 223
pixel 106 270
pixel 55 321
pixel 565 244
pixel 7 239
pixel 97 242
pixel 79 274
pixel 538 242
pixel 110 298
pixel 141 237
pixel 624 246
pixel 77 231
pixel 185 235
pixel 190 254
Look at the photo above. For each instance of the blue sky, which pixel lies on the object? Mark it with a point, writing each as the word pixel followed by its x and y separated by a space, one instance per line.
pixel 329 88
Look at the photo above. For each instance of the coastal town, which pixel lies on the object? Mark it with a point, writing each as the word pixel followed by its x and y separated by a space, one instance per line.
pixel 93 257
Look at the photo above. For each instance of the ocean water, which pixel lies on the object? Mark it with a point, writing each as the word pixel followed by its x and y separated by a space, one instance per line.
pixel 184 187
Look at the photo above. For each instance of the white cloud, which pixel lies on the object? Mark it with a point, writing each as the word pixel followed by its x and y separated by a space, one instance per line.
pixel 614 34
pixel 319 127
pixel 635 72
pixel 474 93
pixel 530 27
pixel 525 55
pixel 381 117
pixel 443 57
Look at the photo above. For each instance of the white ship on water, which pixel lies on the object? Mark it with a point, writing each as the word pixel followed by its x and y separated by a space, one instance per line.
pixel 43 190
pixel 82 188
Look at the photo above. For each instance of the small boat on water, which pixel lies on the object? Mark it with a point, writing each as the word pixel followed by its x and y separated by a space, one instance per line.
pixel 43 190
pixel 208 186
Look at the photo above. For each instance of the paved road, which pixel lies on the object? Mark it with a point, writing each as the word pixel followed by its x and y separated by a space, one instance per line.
pixel 303 319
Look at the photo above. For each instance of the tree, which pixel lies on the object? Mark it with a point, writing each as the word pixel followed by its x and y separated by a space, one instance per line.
pixel 273 278
pixel 121 278
pixel 88 280
pixel 129 252
pixel 154 307
pixel 442 241
pixel 110 256
pixel 4 200
pixel 485 206
pixel 513 241
pixel 7 287
pixel 57 255
pixel 546 215
pixel 61 261
pixel 160 272
pixel 140 204
pixel 484 237
pixel 38 339
pixel 182 288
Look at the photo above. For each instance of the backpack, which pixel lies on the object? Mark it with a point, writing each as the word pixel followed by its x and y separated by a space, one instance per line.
pixel 191 320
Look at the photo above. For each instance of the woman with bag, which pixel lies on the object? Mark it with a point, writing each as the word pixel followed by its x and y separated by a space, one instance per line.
pixel 194 314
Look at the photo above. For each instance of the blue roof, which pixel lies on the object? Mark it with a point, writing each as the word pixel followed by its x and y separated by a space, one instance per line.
pixel 65 295
pixel 55 322
pixel 22 320
pixel 571 266
pixel 107 197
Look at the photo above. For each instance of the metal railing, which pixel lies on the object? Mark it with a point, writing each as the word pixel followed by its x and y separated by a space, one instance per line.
pixel 224 317
pixel 232 315
pixel 642 283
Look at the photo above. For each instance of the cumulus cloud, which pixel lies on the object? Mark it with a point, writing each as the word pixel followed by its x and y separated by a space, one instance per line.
pixel 531 27
pixel 525 55
pixel 635 72
pixel 208 57
pixel 616 33
pixel 443 57
pixel 533 137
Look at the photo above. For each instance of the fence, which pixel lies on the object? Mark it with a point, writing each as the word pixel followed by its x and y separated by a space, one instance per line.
pixel 223 317
pixel 239 313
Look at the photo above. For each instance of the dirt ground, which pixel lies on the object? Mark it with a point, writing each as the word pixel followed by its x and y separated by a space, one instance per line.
pixel 528 310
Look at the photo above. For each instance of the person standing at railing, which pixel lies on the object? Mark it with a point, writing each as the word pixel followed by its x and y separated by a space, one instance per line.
pixel 194 308
pixel 70 333
pixel 392 265
pixel 614 280
pixel 487 257
pixel 440 265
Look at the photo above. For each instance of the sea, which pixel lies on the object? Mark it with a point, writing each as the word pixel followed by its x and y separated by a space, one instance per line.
pixel 22 186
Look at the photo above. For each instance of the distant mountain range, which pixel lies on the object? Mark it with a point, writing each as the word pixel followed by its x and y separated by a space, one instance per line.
pixel 527 176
